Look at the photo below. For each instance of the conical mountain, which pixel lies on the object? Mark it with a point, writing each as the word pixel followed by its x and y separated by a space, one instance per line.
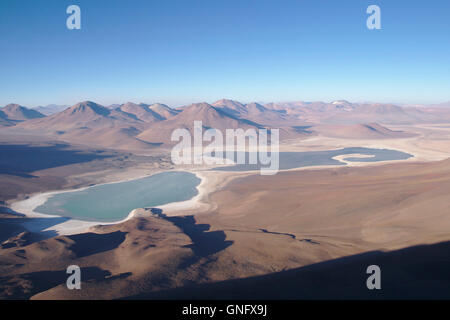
pixel 92 124
pixel 85 115
pixel 15 112
pixel 210 116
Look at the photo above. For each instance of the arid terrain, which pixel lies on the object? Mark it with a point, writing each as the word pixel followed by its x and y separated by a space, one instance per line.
pixel 302 233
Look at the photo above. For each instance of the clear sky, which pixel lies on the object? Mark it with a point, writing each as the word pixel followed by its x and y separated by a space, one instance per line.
pixel 178 52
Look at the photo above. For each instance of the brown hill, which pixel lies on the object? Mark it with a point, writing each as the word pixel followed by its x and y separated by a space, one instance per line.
pixel 119 137
pixel 416 272
pixel 15 112
pixel 232 107
pixel 163 110
pixel 360 131
pixel 252 111
pixel 133 126
pixel 92 124
pixel 210 116
pixel 4 122
pixel 140 112
pixel 83 115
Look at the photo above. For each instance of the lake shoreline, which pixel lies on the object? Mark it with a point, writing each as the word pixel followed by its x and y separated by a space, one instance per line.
pixel 28 206
pixel 210 181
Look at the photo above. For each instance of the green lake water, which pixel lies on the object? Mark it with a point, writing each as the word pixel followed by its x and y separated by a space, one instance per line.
pixel 114 201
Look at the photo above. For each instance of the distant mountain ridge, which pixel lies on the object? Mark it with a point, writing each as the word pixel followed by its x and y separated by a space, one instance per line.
pixel 344 112
pixel 16 113
pixel 50 109
pixel 360 131
pixel 83 114
pixel 273 114
pixel 140 111
pixel 90 123
pixel 148 113
pixel 163 110
pixel 252 111
pixel 139 126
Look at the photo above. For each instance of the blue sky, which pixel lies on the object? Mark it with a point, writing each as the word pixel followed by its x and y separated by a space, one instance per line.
pixel 178 52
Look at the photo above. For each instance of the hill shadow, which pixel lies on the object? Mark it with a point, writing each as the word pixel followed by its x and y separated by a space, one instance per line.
pixel 419 272
pixel 204 242
pixel 21 160
pixel 12 227
pixel 89 243
pixel 36 282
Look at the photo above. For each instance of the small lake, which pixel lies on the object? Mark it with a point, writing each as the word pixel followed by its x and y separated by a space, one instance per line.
pixel 114 201
pixel 291 160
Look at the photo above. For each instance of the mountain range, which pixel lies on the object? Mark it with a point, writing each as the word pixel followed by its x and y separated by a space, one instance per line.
pixel 140 126
pixel 211 117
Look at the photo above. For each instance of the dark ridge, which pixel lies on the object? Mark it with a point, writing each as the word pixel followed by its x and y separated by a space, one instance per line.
pixel 419 272
pixel 40 281
pixel 87 244
pixel 204 243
